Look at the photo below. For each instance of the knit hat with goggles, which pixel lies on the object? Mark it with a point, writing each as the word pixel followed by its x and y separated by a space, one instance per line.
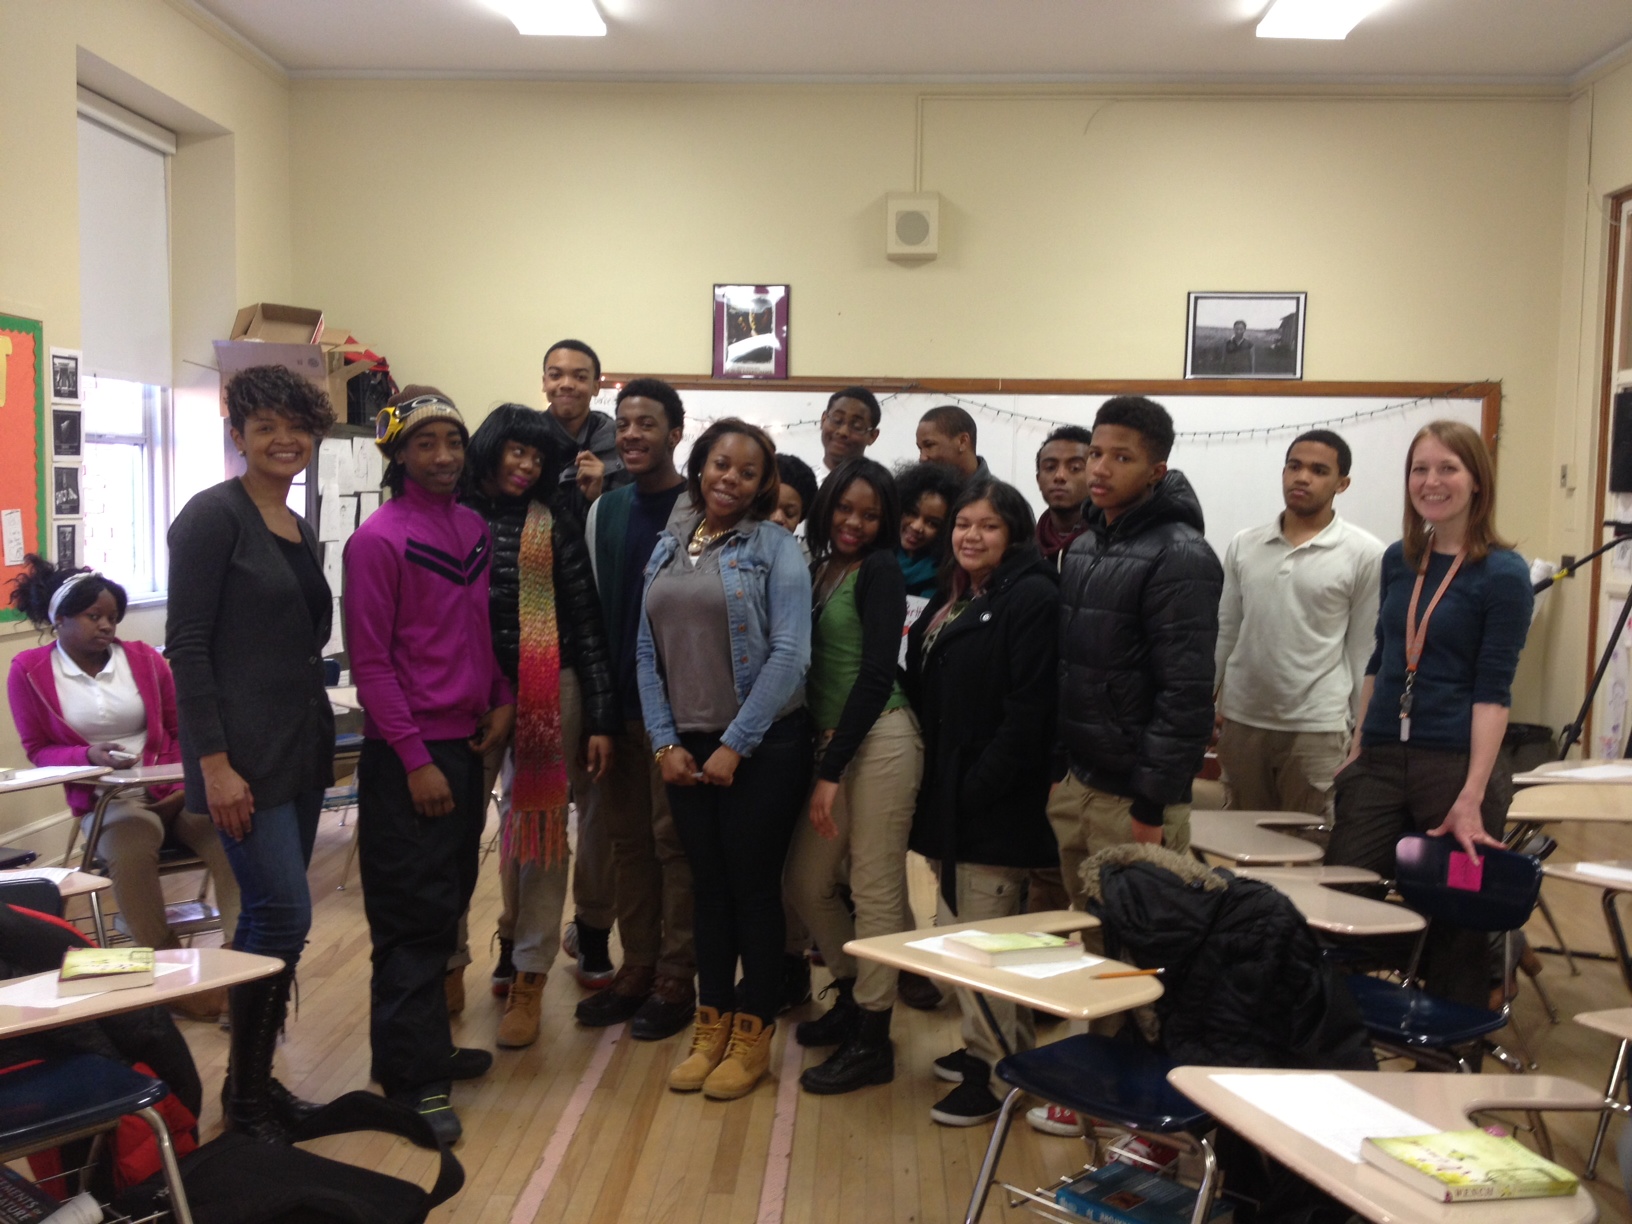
pixel 407 410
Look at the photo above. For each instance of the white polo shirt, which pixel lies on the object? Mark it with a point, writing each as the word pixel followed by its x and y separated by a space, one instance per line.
pixel 1296 626
pixel 104 708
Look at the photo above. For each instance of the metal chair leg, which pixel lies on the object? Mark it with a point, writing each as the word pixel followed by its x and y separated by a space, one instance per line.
pixel 1617 1074
pixel 994 1151
pixel 351 854
pixel 1547 913
pixel 1208 1190
pixel 179 1210
pixel 1544 1138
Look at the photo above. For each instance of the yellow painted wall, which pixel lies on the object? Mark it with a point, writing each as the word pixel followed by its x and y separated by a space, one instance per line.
pixel 230 232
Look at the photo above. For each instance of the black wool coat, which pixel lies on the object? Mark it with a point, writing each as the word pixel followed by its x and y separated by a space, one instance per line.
pixel 985 702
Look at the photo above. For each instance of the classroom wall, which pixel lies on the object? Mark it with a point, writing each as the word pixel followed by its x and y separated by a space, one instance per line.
pixel 460 226
pixel 230 208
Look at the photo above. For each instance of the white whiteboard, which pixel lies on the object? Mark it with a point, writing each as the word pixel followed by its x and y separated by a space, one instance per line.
pixel 1236 471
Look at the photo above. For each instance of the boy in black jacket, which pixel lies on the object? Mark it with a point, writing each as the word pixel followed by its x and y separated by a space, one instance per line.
pixel 1139 620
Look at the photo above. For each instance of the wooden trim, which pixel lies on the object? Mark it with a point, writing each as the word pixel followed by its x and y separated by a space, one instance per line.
pixel 1490 393
pixel 1617 203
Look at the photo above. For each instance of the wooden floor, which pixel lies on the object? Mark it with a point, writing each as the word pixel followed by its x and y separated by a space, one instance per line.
pixel 641 1153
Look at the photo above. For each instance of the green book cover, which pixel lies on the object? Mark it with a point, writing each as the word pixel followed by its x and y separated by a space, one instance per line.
pixel 1462 1166
pixel 89 970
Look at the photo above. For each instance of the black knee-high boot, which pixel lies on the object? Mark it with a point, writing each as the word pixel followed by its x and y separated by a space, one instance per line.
pixel 252 1100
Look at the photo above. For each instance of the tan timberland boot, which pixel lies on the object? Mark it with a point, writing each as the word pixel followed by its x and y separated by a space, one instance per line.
pixel 708 1041
pixel 745 1062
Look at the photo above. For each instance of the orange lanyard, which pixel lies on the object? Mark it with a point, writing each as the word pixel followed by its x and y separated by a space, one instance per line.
pixel 1416 633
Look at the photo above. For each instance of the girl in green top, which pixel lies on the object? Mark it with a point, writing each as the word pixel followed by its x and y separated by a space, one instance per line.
pixel 869 760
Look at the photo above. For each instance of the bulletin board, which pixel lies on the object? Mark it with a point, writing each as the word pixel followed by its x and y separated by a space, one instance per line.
pixel 23 442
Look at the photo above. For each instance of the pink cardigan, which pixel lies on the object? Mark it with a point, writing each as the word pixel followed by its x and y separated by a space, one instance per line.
pixel 49 740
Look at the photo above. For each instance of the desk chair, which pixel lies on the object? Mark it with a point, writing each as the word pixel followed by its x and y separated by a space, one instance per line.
pixel 185 918
pixel 1403 1019
pixel 55 1102
pixel 342 796
pixel 1120 1082
pixel 41 896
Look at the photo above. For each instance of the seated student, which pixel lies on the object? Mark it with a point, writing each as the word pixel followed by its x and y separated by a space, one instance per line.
pixel 869 760
pixel 90 699
pixel 796 494
pixel 947 435
pixel 981 675
pixel 435 703
pixel 723 647
pixel 927 492
pixel 849 426
pixel 550 640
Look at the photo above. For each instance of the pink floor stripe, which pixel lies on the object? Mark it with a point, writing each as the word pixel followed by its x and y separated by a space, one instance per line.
pixel 773 1191
pixel 555 1152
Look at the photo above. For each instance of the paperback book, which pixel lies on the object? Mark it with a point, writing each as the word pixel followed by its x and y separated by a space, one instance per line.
pixel 1464 1166
pixel 1019 948
pixel 92 970
pixel 1119 1193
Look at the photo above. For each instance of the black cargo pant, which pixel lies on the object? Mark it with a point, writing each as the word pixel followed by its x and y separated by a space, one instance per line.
pixel 418 874
pixel 1394 789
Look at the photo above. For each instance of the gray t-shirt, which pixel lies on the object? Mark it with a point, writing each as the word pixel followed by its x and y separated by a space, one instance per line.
pixel 691 631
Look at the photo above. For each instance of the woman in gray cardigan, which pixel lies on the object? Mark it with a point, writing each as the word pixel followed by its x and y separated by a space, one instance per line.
pixel 249 615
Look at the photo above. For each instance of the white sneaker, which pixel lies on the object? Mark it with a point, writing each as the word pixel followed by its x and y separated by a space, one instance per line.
pixel 1055 1120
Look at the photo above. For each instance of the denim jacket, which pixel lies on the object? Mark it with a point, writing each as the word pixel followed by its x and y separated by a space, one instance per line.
pixel 764 574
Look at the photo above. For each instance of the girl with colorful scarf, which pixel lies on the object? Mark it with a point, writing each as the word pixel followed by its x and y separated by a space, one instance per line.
pixel 550 640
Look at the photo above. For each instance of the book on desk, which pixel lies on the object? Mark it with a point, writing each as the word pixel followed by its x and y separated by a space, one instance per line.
pixel 92 970
pixel 1008 949
pixel 1468 1166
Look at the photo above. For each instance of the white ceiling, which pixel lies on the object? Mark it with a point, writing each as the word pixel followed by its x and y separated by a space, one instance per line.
pixel 1544 42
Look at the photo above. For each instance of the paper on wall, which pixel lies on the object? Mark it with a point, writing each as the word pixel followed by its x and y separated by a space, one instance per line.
pixel 328 517
pixel 348 516
pixel 330 455
pixel 365 462
pixel 333 566
pixel 367 503
pixel 11 526
pixel 337 628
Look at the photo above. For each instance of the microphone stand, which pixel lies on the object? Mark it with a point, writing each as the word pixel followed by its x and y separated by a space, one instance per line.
pixel 1572 732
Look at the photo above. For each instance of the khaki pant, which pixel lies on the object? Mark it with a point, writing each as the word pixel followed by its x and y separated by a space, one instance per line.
pixel 1280 771
pixel 988 892
pixel 873 813
pixel 133 831
pixel 1087 821
pixel 650 871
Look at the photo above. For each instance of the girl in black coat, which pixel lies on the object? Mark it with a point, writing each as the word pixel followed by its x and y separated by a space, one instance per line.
pixel 981 675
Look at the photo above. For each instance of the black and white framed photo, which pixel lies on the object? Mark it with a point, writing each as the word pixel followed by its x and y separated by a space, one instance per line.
pixel 65 492
pixel 1245 335
pixel 65 376
pixel 66 440
pixel 67 546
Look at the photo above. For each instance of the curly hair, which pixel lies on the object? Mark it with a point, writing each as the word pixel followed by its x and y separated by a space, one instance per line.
pixel 273 388
pixel 32 589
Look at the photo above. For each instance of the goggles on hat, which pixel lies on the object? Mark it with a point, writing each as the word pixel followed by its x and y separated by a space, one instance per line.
pixel 389 423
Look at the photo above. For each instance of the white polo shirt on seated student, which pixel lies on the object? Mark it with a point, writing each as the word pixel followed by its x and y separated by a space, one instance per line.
pixel 104 708
pixel 1295 627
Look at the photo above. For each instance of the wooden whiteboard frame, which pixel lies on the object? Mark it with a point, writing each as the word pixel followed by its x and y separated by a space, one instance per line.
pixel 1488 393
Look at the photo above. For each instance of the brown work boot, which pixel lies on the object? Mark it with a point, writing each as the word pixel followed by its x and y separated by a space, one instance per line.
pixel 746 1059
pixel 630 987
pixel 453 985
pixel 519 1026
pixel 708 1041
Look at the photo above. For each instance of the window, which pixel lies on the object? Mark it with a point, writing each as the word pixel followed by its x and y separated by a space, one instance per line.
pixel 122 487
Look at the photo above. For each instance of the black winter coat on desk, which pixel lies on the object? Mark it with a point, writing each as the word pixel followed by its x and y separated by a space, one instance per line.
pixel 577 607
pixel 985 703
pixel 1138 623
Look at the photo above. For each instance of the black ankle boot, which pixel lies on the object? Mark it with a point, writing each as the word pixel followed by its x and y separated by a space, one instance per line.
pixel 867 1057
pixel 839 1022
pixel 253 1101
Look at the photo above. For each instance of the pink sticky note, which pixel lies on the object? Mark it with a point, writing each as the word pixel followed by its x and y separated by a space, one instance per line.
pixel 1465 872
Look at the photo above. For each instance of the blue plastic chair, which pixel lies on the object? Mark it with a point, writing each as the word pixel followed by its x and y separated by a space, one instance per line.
pixel 56 1102
pixel 1120 1082
pixel 1402 1018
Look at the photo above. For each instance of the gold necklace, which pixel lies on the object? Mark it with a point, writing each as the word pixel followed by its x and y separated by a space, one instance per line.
pixel 701 539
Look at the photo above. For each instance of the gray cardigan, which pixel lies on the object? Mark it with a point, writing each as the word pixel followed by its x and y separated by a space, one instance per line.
pixel 247 658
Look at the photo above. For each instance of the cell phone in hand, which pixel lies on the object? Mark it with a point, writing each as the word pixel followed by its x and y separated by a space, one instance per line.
pixel 124 760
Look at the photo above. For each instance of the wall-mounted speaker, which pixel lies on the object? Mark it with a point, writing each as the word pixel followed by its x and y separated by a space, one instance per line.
pixel 912 226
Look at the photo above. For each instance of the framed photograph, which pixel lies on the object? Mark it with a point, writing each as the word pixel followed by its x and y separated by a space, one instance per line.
pixel 65 376
pixel 67 546
pixel 65 492
pixel 751 331
pixel 65 433
pixel 1244 335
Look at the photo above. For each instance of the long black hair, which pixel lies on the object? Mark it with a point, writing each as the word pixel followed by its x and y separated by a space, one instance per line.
pixel 512 423
pixel 912 481
pixel 819 525
pixel 1011 507
pixel 31 591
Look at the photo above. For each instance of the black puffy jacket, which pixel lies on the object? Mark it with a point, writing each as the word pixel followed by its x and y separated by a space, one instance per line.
pixel 1138 623
pixel 578 608
pixel 1245 982
pixel 985 703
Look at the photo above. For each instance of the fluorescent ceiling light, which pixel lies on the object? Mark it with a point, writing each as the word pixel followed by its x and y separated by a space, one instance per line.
pixel 561 18
pixel 1330 19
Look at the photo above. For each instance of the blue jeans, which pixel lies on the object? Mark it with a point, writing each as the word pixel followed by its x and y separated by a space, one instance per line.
pixel 270 864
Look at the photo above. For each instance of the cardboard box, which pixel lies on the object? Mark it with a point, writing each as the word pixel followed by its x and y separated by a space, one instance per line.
pixel 278 324
pixel 325 368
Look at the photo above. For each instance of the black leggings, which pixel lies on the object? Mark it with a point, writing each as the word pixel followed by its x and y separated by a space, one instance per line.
pixel 736 838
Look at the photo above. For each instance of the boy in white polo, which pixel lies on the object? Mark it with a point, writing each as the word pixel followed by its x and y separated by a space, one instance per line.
pixel 1295 628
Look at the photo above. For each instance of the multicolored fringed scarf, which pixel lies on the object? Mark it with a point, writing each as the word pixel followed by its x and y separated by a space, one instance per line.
pixel 536 830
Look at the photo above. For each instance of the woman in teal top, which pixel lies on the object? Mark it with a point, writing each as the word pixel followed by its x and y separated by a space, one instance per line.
pixel 869 759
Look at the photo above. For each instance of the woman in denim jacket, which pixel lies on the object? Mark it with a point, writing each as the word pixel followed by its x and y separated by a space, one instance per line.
pixel 723 648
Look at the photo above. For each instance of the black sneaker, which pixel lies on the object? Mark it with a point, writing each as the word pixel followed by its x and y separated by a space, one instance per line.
pixel 504 969
pixel 619 1001
pixel 950 1067
pixel 969 1104
pixel 465 1063
pixel 431 1103
pixel 594 968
